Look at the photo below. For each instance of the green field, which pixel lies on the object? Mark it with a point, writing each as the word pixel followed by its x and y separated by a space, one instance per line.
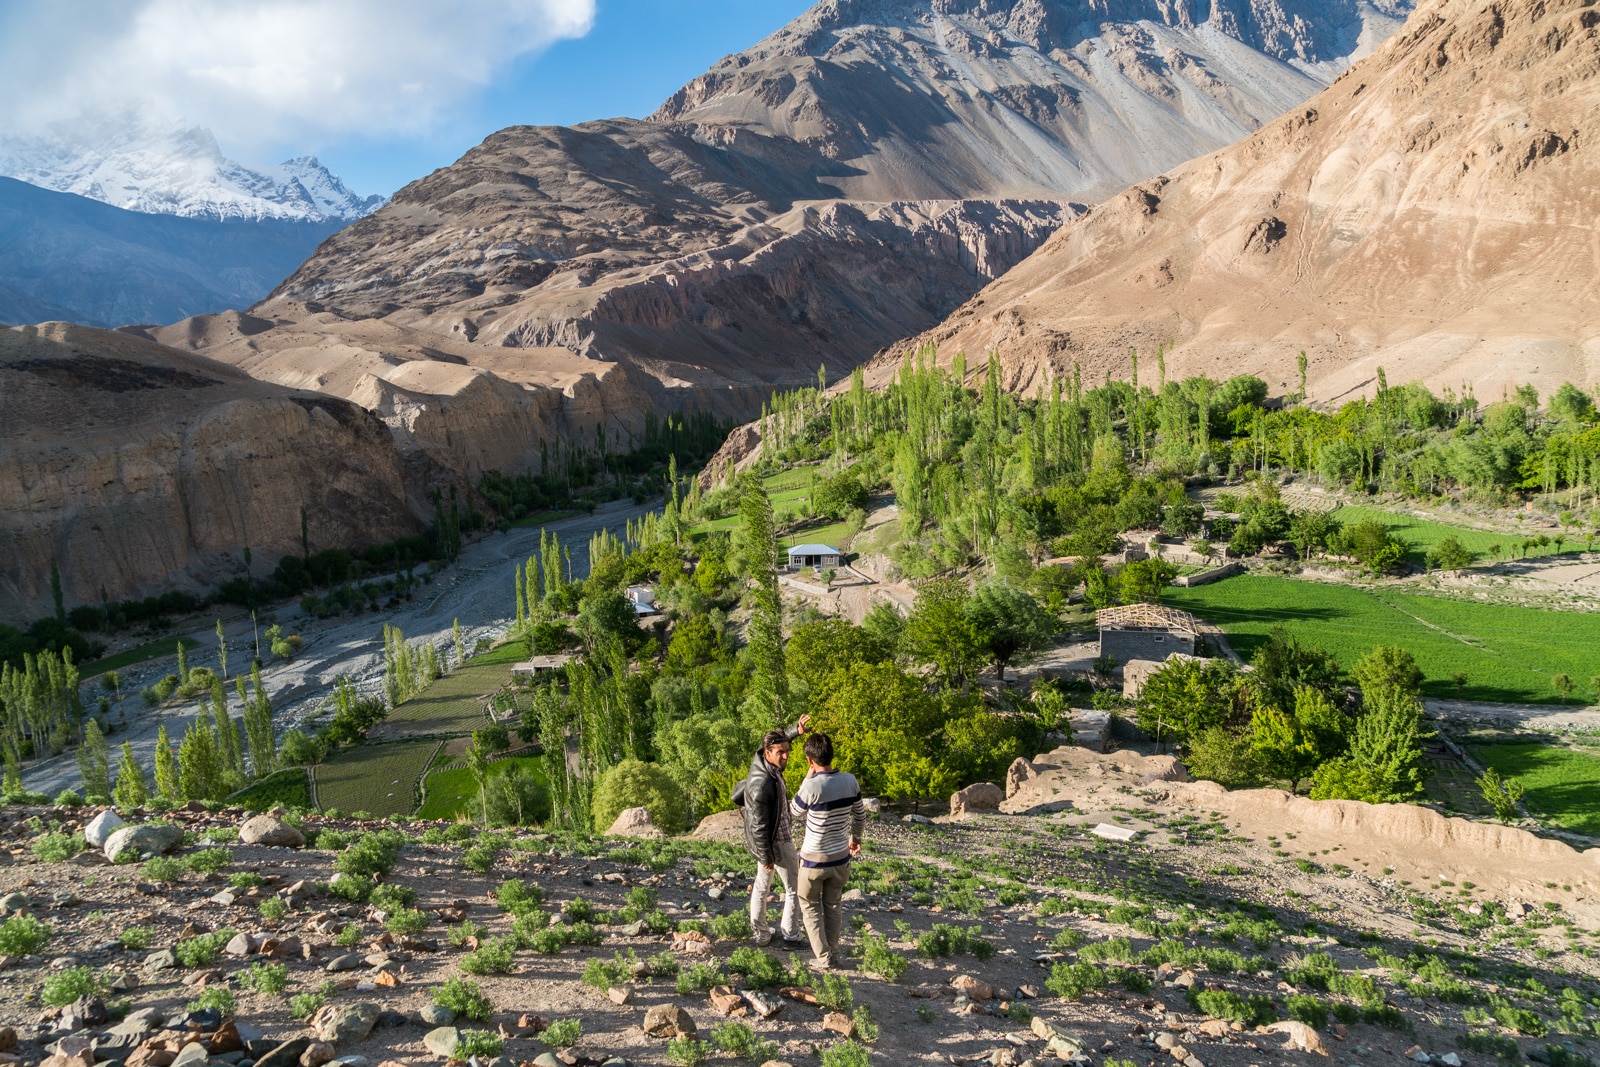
pixel 380 779
pixel 287 787
pixel 154 650
pixel 1424 534
pixel 1508 654
pixel 453 705
pixel 455 792
pixel 1563 784
pixel 789 491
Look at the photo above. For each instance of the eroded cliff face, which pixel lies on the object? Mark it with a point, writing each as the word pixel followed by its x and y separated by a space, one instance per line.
pixel 171 465
pixel 1431 213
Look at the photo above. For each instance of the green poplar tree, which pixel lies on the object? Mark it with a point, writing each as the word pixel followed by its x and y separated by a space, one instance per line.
pixel 222 650
pixel 94 761
pixel 199 770
pixel 168 784
pixel 132 790
pixel 183 663
pixel 769 686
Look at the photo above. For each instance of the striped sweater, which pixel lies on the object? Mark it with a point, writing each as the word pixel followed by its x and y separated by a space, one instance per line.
pixel 828 806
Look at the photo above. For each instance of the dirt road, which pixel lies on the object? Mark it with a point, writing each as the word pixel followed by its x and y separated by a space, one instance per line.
pixel 478 590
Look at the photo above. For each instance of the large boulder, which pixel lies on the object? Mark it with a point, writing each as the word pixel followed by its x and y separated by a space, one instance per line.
pixel 147 839
pixel 272 831
pixel 343 1025
pixel 669 1020
pixel 1020 773
pixel 634 822
pixel 721 826
pixel 101 827
pixel 984 796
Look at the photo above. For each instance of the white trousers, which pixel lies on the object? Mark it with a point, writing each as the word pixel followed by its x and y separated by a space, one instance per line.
pixel 786 868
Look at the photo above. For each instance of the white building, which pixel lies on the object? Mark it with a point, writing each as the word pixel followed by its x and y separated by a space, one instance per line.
pixel 821 557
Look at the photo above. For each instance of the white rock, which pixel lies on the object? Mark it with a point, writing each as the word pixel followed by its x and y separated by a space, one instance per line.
pixel 1114 833
pixel 101 827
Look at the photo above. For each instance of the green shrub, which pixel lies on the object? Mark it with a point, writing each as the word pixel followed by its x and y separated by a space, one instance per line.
pixel 485 1045
pixel 493 957
pixel 272 978
pixel 944 940
pixel 1225 1004
pixel 355 888
pixel 246 880
pixel 1491 1044
pixel 578 910
pixel 203 950
pixel 68 798
pixel 1130 978
pixel 1309 1010
pixel 371 854
pixel 305 1005
pixel 391 897
pixel 550 941
pixel 518 898
pixel 273 909
pixel 136 937
pixel 209 860
pixel 563 1033
pixel 57 848
pixel 636 784
pixel 526 925
pixel 584 934
pixel 737 1039
pixel 463 933
pixel 688 1051
pixel 834 992
pixel 735 926
pixel 1512 1017
pixel 480 859
pixel 1115 948
pixel 350 936
pixel 1071 981
pixel 1067 940
pixel 603 974
pixel 465 998
pixel 761 970
pixel 217 998
pixel 164 869
pixel 700 978
pixel 846 1054
pixel 407 921
pixel 879 960
pixel 66 986
pixel 22 935
pixel 663 965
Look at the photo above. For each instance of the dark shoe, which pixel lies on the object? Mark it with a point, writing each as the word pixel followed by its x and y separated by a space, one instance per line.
pixel 762 937
pixel 796 941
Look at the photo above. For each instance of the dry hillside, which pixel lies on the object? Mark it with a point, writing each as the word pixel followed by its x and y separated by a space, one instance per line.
pixel 1432 212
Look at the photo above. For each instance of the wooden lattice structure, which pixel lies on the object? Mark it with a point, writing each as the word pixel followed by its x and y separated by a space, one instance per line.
pixel 1147 617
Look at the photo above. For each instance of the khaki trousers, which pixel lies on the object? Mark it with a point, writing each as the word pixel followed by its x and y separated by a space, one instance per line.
pixel 820 889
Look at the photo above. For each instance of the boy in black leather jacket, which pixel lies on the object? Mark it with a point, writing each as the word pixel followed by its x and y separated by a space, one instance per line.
pixel 767 835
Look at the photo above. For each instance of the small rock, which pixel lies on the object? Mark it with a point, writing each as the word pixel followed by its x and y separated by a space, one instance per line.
pixel 873 805
pixel 101 827
pixel 725 1000
pixel 1302 1038
pixel 546 1059
pixel 285 1054
pixel 667 1020
pixel 193 1055
pixel 917 820
pixel 716 892
pixel 620 994
pixel 350 1061
pixel 345 1025
pixel 972 987
pixel 852 896
pixel 348 962
pixel 12 903
pixel 434 1015
pixel 635 929
pixel 441 1042
pixel 240 946
pixel 270 831
pixel 839 1023
pixel 316 1054
pixel 1450 1059
pixel 90 1010
pixel 763 1004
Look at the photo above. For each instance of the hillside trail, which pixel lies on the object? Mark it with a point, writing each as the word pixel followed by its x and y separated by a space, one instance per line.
pixel 477 590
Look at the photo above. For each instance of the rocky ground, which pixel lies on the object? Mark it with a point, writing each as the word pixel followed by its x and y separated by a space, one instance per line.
pixel 996 937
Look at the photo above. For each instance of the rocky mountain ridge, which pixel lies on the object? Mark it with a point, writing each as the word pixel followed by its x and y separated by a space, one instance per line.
pixel 1430 213
pixel 846 183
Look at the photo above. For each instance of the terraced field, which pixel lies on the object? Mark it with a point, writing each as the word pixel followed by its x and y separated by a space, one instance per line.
pixel 455 792
pixel 1563 783
pixel 1508 654
pixel 377 778
pixel 1424 534
pixel 453 705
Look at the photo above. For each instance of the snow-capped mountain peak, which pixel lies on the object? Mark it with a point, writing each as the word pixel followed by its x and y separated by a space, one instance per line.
pixel 166 167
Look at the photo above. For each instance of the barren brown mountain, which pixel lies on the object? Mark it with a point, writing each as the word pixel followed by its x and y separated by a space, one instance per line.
pixel 175 462
pixel 1433 212
pixel 844 184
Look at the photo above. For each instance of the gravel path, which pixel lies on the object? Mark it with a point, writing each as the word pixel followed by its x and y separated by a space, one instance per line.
pixel 477 590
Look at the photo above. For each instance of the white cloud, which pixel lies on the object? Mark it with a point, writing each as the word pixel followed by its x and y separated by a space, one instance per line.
pixel 267 71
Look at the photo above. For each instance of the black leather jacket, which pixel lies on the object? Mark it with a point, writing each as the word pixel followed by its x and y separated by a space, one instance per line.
pixel 765 795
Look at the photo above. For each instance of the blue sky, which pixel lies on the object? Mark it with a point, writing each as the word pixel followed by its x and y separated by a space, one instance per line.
pixel 638 53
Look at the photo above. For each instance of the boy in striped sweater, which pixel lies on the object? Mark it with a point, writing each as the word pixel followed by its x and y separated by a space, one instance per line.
pixel 828 806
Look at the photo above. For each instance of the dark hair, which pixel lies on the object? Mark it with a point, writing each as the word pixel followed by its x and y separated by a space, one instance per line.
pixel 819 750
pixel 774 737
